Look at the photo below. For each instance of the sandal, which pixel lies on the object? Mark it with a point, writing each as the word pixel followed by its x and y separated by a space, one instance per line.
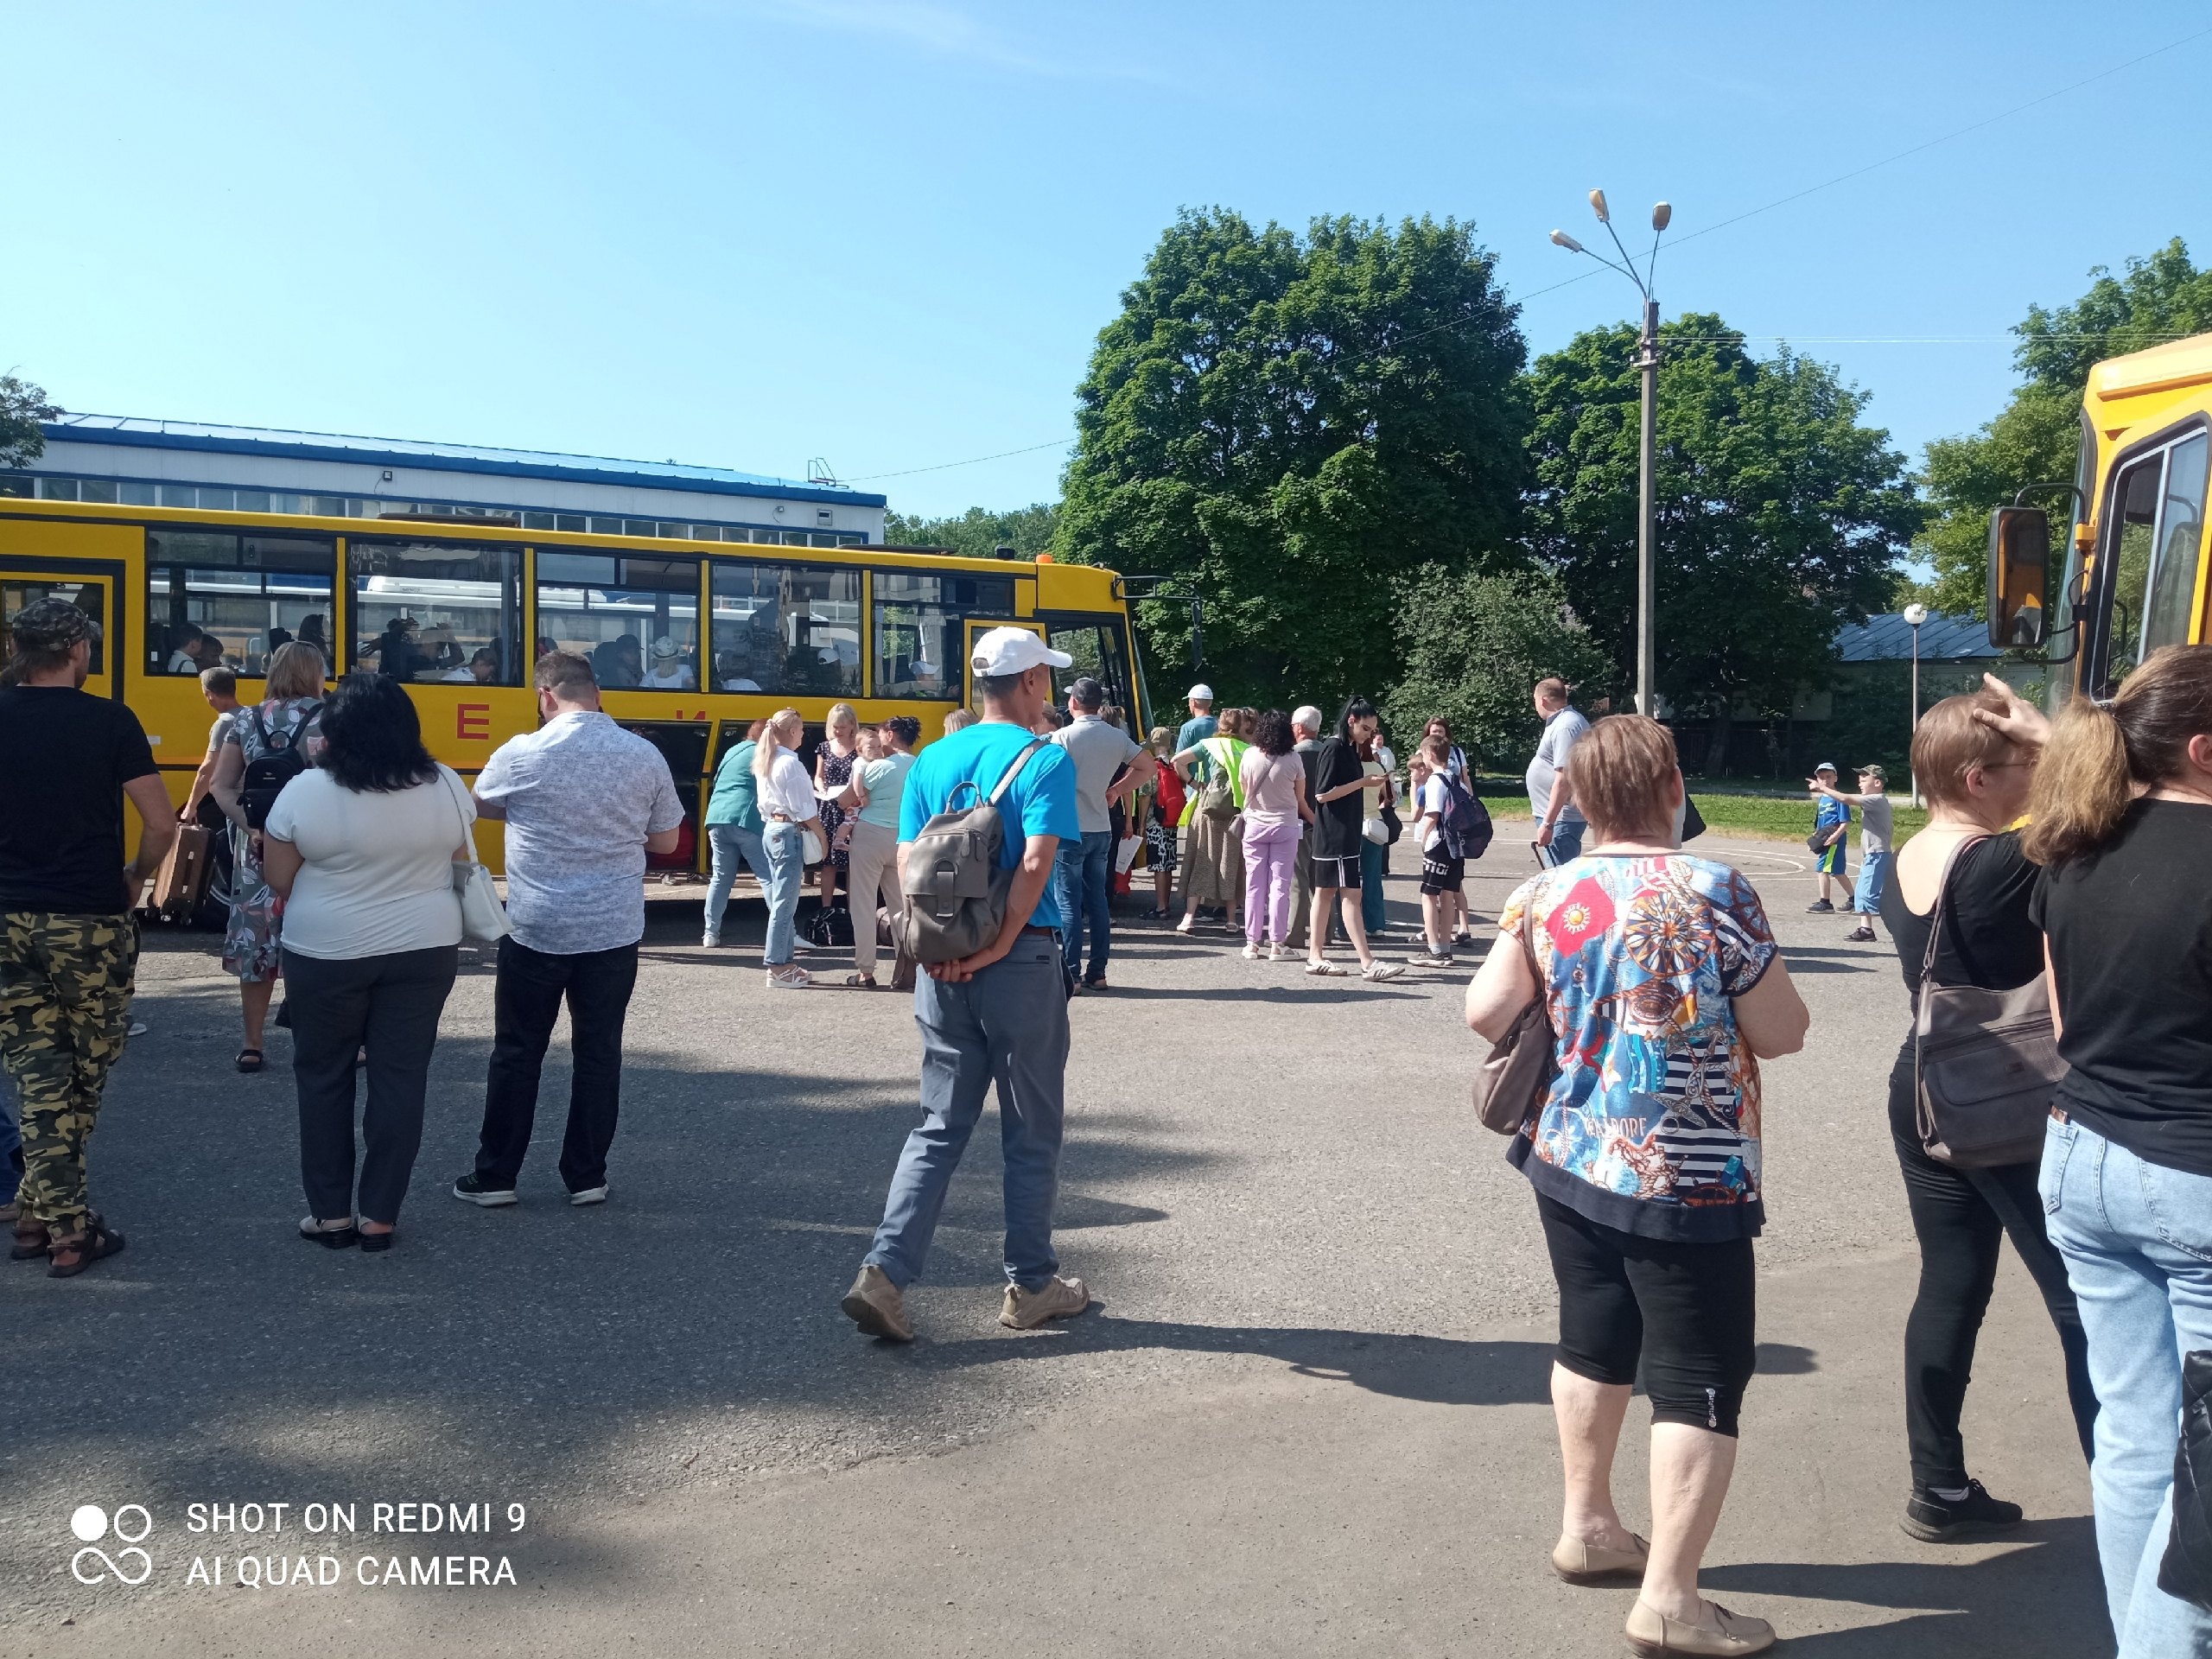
pixel 1326 971
pixel 330 1236
pixel 248 1060
pixel 31 1243
pixel 862 982
pixel 71 1256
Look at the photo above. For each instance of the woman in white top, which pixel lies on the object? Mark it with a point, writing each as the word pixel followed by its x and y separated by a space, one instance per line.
pixel 361 847
pixel 788 812
pixel 670 672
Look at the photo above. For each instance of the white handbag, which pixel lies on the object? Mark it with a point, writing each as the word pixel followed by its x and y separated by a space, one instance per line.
pixel 482 916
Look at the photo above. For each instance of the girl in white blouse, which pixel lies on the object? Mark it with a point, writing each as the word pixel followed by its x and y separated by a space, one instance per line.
pixel 788 812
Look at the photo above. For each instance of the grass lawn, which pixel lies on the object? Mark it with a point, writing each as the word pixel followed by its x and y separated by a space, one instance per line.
pixel 1733 808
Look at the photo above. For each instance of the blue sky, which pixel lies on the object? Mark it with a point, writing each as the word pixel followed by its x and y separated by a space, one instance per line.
pixel 749 232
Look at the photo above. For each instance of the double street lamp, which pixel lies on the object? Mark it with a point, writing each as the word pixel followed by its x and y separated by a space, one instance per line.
pixel 1647 360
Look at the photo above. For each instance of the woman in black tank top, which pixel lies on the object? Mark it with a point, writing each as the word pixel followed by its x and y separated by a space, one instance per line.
pixel 1976 781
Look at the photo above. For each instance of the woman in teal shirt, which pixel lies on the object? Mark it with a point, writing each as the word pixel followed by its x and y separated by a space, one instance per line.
pixel 734 829
pixel 879 785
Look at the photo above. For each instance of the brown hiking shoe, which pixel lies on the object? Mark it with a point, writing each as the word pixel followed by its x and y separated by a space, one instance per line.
pixel 877 1306
pixel 1057 1299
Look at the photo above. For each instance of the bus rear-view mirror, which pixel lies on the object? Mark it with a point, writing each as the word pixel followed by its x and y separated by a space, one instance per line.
pixel 2019 576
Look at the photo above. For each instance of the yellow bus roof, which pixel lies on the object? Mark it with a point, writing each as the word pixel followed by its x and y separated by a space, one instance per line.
pixel 2161 368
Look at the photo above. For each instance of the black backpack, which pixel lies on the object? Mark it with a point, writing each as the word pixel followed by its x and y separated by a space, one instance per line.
pixel 278 763
pixel 1465 824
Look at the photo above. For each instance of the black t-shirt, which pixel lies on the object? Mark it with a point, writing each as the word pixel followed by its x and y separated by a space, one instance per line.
pixel 2130 951
pixel 1990 938
pixel 66 755
pixel 1335 831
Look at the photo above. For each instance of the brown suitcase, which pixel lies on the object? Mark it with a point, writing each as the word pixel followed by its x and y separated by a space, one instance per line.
pixel 183 876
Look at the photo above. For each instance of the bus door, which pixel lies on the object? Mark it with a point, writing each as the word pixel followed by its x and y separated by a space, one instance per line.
pixel 682 744
pixel 980 625
pixel 91 592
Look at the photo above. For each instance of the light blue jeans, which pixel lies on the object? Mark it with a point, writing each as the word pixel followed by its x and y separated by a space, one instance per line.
pixel 1874 876
pixel 1567 840
pixel 729 844
pixel 1009 1024
pixel 2137 1240
pixel 785 847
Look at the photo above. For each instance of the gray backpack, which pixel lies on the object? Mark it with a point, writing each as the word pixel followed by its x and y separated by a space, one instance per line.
pixel 955 892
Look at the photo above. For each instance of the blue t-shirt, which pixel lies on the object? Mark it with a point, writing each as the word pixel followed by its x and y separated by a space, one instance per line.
pixel 1831 813
pixel 1195 731
pixel 1041 801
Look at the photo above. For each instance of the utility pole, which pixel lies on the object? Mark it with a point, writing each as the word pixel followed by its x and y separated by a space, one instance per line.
pixel 1647 524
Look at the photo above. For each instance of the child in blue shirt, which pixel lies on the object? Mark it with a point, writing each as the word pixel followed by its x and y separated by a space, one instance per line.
pixel 1831 823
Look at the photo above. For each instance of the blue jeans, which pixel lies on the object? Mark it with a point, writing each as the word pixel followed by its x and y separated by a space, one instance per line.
pixel 785 846
pixel 1083 876
pixel 1567 840
pixel 730 842
pixel 11 1143
pixel 2137 1240
pixel 1874 876
pixel 1009 1024
pixel 1373 861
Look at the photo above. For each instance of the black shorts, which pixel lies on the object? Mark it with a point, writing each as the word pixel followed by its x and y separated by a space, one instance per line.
pixel 1337 873
pixel 1440 872
pixel 1686 1311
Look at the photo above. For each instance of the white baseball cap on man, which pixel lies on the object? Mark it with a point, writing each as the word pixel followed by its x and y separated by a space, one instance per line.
pixel 1014 651
pixel 1200 693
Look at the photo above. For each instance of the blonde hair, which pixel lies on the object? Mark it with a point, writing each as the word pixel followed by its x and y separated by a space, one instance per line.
pixel 771 741
pixel 840 713
pixel 958 720
pixel 1620 773
pixel 295 670
pixel 1949 742
pixel 2098 757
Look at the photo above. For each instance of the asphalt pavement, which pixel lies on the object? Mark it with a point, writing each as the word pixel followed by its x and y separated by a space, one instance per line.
pixel 1308 1414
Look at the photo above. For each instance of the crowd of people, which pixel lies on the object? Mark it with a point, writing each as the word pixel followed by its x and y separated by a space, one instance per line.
pixel 2070 857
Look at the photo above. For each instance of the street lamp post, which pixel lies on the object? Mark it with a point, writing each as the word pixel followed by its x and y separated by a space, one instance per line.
pixel 1647 362
pixel 1915 615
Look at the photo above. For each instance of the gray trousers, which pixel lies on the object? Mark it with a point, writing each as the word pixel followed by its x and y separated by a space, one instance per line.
pixel 1007 1026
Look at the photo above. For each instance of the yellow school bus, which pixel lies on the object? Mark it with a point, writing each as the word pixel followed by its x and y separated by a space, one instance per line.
pixel 690 643
pixel 2137 574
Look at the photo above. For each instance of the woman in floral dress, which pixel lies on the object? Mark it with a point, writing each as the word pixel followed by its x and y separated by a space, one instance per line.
pixel 289 718
pixel 833 773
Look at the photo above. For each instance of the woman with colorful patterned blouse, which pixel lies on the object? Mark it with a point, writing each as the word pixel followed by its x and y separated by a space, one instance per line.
pixel 1664 989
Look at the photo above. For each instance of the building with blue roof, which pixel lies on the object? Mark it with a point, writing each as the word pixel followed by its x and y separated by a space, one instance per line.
pixel 139 462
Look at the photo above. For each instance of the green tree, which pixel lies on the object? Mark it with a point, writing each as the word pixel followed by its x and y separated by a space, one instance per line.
pixel 1475 646
pixel 1287 426
pixel 978 532
pixel 2035 438
pixel 1780 515
pixel 22 406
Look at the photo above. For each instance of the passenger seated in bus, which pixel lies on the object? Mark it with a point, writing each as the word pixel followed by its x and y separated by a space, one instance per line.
pixel 669 672
pixel 619 664
pixel 733 672
pixel 395 650
pixel 311 633
pixel 186 643
pixel 482 670
pixel 443 651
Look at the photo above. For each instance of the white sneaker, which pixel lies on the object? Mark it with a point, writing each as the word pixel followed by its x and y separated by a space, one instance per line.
pixel 1251 951
pixel 709 942
pixel 1281 953
pixel 589 1195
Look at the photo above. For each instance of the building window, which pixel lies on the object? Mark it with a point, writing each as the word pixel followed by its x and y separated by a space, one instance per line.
pixel 214 598
pixel 637 620
pixel 790 630
pixel 919 623
pixel 437 611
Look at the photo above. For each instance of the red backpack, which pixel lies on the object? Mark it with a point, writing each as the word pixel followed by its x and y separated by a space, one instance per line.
pixel 1171 794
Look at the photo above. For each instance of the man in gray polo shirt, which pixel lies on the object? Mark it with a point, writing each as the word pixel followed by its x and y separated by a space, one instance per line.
pixel 1083 873
pixel 584 802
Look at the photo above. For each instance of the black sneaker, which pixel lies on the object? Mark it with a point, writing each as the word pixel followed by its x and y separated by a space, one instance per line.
pixel 471 1189
pixel 1862 935
pixel 1820 907
pixel 1940 1521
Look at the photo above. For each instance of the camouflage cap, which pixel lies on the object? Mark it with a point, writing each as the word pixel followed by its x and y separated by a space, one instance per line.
pixel 51 626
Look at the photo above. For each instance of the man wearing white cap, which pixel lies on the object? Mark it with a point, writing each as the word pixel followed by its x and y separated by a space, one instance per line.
pixel 999 1014
pixel 1201 725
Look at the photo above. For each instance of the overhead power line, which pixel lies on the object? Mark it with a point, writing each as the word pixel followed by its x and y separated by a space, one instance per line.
pixel 1751 213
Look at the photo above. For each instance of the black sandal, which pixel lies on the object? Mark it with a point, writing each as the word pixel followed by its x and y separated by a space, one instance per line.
pixel 30 1242
pixel 862 982
pixel 248 1060
pixel 71 1256
pixel 372 1242
pixel 332 1238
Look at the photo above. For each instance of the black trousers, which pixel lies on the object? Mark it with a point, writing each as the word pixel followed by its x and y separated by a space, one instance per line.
pixel 597 984
pixel 391 1005
pixel 1961 1218
pixel 1687 1312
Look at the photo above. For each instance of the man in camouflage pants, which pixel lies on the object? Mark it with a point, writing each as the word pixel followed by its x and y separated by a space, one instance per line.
pixel 69 945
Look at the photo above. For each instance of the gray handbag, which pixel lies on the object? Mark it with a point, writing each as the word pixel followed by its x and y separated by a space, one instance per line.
pixel 1512 1085
pixel 1985 1063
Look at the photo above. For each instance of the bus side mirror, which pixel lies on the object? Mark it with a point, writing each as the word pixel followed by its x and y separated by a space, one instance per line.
pixel 2019 576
